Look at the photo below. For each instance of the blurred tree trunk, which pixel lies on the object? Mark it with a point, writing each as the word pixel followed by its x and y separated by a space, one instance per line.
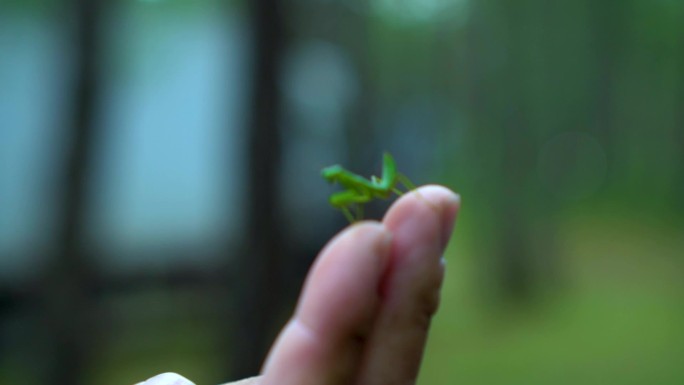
pixel 512 253
pixel 678 203
pixel 481 39
pixel 506 131
pixel 66 293
pixel 608 33
pixel 508 142
pixel 259 295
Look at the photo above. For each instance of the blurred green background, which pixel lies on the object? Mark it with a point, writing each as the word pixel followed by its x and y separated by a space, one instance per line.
pixel 160 198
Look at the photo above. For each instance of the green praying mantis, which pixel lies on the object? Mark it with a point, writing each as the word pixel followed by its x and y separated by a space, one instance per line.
pixel 359 190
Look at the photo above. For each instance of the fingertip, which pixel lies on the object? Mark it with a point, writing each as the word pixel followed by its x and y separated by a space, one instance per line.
pixel 425 203
pixel 440 196
pixel 383 242
pixel 374 234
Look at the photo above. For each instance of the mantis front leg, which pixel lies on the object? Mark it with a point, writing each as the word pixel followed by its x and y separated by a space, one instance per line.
pixel 343 199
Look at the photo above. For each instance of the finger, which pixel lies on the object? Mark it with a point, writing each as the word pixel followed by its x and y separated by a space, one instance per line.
pixel 322 342
pixel 421 225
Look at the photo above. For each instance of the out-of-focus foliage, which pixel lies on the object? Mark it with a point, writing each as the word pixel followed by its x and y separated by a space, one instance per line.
pixel 560 123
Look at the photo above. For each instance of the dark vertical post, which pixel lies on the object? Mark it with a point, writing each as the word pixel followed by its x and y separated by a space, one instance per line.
pixel 259 287
pixel 66 303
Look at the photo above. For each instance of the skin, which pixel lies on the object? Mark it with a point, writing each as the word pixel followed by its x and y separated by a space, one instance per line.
pixel 364 313
pixel 359 190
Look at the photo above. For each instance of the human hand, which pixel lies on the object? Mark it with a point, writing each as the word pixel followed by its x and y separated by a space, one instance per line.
pixel 365 310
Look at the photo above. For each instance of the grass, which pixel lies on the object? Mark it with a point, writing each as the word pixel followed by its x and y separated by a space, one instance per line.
pixel 619 322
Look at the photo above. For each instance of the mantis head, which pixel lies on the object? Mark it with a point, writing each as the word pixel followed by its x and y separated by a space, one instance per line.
pixel 332 173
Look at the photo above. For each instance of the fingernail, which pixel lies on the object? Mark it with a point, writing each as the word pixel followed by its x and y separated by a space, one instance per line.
pixel 449 209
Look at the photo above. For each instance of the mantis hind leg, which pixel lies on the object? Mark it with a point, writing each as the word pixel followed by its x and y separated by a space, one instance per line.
pixel 356 216
pixel 359 211
pixel 347 214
